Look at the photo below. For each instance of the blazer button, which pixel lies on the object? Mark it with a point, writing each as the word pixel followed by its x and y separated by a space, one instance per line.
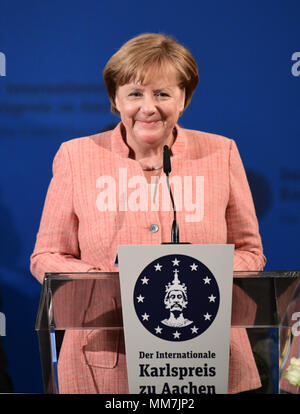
pixel 153 228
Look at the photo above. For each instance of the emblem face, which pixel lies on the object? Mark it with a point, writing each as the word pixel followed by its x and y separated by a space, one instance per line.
pixel 176 297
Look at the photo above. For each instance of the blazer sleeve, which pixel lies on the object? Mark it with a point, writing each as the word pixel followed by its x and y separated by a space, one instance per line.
pixel 242 223
pixel 57 248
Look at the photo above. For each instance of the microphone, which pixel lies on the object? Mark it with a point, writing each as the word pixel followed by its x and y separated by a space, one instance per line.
pixel 166 160
pixel 167 170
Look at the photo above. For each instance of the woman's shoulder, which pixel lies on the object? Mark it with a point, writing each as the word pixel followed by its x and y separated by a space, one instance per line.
pixel 101 139
pixel 96 142
pixel 207 137
pixel 204 143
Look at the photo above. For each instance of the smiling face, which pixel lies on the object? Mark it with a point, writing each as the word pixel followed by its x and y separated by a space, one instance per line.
pixel 150 110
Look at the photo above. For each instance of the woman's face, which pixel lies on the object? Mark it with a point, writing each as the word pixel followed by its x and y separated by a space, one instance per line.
pixel 150 111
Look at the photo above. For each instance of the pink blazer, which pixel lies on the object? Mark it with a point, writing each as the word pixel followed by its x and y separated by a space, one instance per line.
pixel 76 235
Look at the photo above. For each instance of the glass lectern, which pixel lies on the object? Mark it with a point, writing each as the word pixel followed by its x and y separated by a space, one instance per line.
pixel 266 304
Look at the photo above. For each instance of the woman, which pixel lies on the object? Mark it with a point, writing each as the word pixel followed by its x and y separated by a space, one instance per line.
pixel 150 82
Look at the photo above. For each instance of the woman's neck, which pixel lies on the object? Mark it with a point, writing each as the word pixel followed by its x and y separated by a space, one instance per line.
pixel 151 155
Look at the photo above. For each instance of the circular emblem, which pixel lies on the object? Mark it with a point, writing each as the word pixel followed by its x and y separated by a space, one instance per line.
pixel 176 297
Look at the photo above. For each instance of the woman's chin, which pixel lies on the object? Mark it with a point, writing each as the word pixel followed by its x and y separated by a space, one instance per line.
pixel 151 135
pixel 150 139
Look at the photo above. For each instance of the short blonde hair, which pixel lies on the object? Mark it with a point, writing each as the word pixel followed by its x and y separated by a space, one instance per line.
pixel 150 51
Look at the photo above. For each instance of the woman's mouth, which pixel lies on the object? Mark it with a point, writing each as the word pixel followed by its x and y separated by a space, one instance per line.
pixel 149 123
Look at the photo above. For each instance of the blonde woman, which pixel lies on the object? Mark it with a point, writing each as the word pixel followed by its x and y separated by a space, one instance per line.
pixel 150 82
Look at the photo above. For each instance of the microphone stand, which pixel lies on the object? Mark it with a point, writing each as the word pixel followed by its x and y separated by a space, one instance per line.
pixel 167 170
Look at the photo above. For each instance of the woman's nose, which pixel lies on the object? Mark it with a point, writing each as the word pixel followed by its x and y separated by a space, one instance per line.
pixel 148 105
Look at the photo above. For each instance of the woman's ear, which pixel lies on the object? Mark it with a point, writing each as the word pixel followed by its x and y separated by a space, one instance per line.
pixel 182 103
pixel 116 101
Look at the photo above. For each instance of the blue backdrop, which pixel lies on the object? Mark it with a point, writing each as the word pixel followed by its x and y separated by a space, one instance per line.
pixel 51 90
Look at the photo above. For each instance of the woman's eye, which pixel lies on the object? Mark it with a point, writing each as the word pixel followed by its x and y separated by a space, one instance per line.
pixel 163 94
pixel 135 94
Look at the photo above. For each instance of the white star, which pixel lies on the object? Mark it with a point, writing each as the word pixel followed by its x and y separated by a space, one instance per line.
pixel 145 316
pixel 211 298
pixel 145 280
pixel 193 266
pixel 176 335
pixel 140 298
pixel 207 280
pixel 207 316
pixel 194 329
pixel 175 262
pixel 157 267
pixel 158 329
